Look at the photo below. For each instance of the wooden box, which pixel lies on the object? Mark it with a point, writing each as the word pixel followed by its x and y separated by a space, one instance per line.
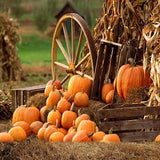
pixel 21 95
pixel 134 122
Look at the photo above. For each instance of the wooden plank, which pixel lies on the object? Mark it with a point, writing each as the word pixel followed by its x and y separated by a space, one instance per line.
pixel 129 125
pixel 125 112
pixel 105 67
pixel 138 136
pixel 94 92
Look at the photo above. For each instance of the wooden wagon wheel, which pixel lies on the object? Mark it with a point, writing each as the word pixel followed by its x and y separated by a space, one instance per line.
pixel 79 51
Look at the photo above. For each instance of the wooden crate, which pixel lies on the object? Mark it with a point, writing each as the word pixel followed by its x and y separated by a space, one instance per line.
pixel 129 123
pixel 21 95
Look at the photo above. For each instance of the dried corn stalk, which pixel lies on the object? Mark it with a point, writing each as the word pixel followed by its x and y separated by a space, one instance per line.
pixel 151 33
pixel 10 65
pixel 123 20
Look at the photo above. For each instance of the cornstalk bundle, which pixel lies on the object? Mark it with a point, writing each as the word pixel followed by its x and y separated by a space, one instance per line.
pixel 151 60
pixel 125 20
pixel 10 65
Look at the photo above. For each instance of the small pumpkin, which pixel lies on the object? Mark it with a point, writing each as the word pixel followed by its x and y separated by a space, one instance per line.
pixel 111 138
pixel 157 139
pixel 48 131
pixel 35 126
pixel 18 133
pixel 25 126
pixel 49 86
pixel 106 88
pixel 41 131
pixel 81 99
pixel 79 82
pixel 27 114
pixel 56 137
pixel 80 118
pixel 109 96
pixel 82 136
pixel 68 117
pixel 88 125
pixel 53 116
pixel 5 137
pixel 64 104
pixel 98 136
pixel 42 110
pixel 53 98
pixel 68 137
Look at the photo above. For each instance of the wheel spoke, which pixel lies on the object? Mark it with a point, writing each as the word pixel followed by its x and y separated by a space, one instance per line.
pixel 64 79
pixel 63 50
pixel 73 38
pixel 66 38
pixel 61 65
pixel 85 75
pixel 78 47
pixel 82 60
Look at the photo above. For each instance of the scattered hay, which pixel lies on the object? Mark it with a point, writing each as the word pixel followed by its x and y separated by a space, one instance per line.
pixel 32 148
pixel 38 100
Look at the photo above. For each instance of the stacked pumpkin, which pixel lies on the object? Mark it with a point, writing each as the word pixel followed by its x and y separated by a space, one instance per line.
pixel 129 76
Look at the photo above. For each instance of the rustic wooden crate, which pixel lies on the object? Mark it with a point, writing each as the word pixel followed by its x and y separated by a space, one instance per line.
pixel 129 123
pixel 21 95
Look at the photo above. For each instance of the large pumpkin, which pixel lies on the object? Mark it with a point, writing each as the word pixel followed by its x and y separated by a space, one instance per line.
pixel 77 83
pixel 28 115
pixel 130 76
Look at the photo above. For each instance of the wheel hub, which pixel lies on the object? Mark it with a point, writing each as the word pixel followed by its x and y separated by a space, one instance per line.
pixel 71 69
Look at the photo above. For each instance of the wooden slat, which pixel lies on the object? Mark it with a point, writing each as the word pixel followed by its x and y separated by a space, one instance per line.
pixel 128 112
pixel 129 125
pixel 138 136
pixel 96 80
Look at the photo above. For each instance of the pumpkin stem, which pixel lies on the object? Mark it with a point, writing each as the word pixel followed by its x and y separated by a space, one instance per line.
pixel 82 90
pixel 72 106
pixel 132 62
pixel 82 74
pixel 52 81
pixel 60 92
pixel 110 130
pixel 48 123
pixel 90 135
pixel 69 99
pixel 107 80
pixel 79 112
pixel 53 88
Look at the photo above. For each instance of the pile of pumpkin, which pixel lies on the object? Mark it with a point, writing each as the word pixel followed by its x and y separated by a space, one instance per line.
pixel 63 124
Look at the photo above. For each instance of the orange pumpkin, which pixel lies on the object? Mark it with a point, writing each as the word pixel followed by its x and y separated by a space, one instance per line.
pixel 157 139
pixel 5 137
pixel 109 96
pixel 53 116
pixel 82 136
pixel 87 125
pixel 48 131
pixel 56 137
pixel 64 105
pixel 80 118
pixel 111 138
pixel 49 86
pixel 68 137
pixel 81 99
pixel 130 76
pixel 25 126
pixel 53 98
pixel 98 136
pixel 77 83
pixel 68 117
pixel 35 126
pixel 105 90
pixel 41 131
pixel 42 110
pixel 18 133
pixel 28 115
